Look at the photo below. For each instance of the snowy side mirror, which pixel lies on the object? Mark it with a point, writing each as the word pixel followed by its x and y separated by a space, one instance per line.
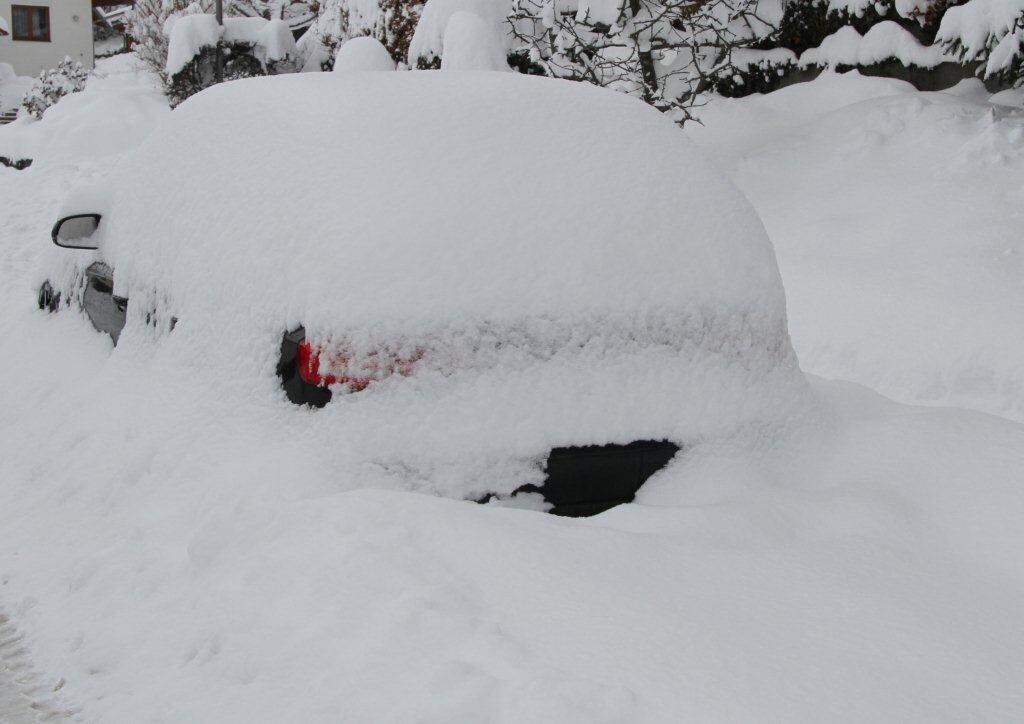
pixel 74 232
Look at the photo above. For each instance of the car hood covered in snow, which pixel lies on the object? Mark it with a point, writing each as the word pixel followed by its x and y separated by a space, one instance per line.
pixel 586 271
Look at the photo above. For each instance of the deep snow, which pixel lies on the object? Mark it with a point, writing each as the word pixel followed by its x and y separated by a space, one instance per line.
pixel 896 220
pixel 174 551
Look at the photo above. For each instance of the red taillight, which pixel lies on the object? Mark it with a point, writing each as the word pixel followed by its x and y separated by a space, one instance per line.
pixel 339 369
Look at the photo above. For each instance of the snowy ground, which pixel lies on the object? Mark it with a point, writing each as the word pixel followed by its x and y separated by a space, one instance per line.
pixel 896 219
pixel 169 555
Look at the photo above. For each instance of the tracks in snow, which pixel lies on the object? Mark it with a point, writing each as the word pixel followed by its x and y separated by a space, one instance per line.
pixel 23 699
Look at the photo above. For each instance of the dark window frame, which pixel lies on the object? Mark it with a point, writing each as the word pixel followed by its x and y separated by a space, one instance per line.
pixel 29 10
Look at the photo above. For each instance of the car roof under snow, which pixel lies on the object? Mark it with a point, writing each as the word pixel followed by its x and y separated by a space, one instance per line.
pixel 405 201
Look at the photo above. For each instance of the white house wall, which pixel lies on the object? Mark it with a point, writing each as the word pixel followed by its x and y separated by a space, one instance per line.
pixel 70 35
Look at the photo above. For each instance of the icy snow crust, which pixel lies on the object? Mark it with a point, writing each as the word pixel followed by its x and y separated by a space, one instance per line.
pixel 632 294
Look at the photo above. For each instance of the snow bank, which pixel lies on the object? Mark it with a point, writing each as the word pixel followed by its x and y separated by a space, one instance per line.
pixel 884 41
pixel 902 265
pixel 13 87
pixel 978 24
pixel 428 40
pixel 121 104
pixel 359 54
pixel 471 43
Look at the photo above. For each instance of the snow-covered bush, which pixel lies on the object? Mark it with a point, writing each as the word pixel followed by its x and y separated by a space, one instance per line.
pixel 52 85
pixel 248 46
pixel 392 22
pixel 886 37
pixel 990 32
pixel 665 51
pixel 148 20
pixel 427 47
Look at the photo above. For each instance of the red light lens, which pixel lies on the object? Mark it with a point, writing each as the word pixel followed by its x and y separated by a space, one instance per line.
pixel 338 367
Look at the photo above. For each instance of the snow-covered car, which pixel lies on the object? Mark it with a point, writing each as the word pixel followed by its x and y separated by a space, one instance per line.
pixel 509 285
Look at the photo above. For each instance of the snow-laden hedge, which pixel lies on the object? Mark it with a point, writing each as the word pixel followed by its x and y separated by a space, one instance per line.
pixel 249 47
pixel 52 85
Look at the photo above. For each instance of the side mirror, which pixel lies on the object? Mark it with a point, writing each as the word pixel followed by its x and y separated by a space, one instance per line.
pixel 74 232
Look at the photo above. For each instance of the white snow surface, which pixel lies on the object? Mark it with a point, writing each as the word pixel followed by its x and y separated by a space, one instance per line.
pixel 121 104
pixel 883 41
pixel 902 264
pixel 12 87
pixel 180 545
pixel 472 43
pixel 364 53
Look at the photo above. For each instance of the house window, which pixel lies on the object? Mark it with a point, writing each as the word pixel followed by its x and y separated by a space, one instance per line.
pixel 31 22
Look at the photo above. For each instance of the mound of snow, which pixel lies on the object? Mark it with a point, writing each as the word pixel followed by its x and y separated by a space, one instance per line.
pixel 472 43
pixel 902 265
pixel 883 41
pixel 121 104
pixel 13 87
pixel 364 53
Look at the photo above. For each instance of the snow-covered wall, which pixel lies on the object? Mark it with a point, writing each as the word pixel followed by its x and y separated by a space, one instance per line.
pixel 70 35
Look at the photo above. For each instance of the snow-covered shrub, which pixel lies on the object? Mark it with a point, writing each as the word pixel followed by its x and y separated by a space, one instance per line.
pixel 990 32
pixel 886 37
pixel 755 71
pixel 52 85
pixel 148 20
pixel 247 46
pixel 427 48
pixel 665 51
pixel 392 22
